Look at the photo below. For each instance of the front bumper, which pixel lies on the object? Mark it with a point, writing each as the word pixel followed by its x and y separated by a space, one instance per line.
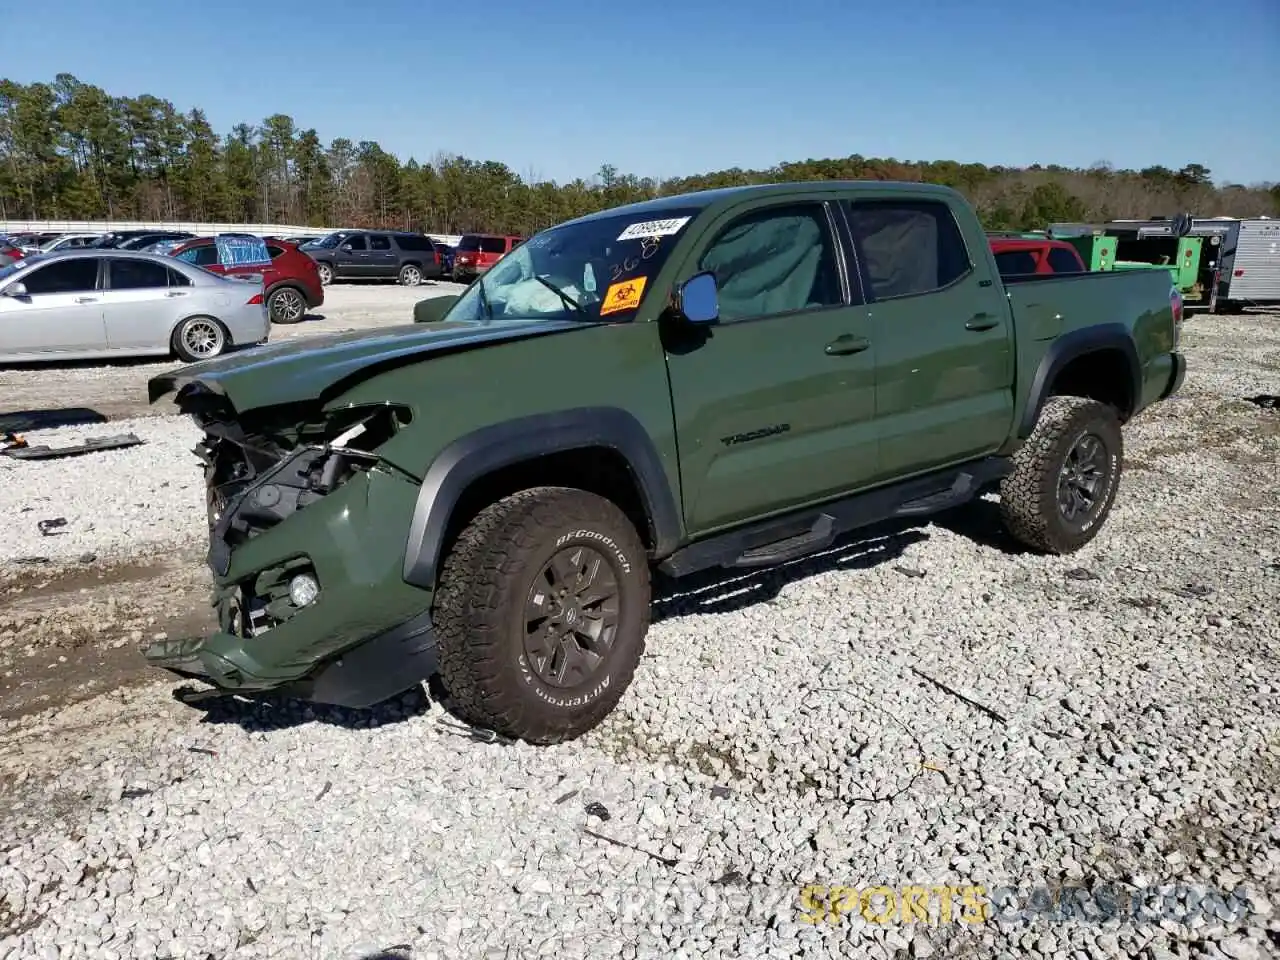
pixel 366 637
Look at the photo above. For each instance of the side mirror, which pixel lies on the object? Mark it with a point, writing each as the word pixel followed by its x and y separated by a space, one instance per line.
pixel 17 291
pixel 697 299
pixel 346 248
pixel 433 308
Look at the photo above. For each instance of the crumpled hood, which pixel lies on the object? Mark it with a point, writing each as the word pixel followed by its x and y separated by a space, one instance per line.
pixel 309 368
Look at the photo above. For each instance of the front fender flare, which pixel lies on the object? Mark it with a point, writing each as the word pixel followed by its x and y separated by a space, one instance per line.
pixel 491 448
pixel 1071 346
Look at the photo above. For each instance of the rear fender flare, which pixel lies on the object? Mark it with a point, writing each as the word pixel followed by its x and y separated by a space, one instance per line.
pixel 491 448
pixel 1071 346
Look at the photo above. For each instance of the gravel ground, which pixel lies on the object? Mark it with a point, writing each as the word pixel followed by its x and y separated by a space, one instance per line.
pixel 929 707
pixel 119 390
pixel 115 503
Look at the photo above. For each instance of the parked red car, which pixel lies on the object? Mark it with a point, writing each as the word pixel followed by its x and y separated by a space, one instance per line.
pixel 9 252
pixel 477 252
pixel 291 281
pixel 1017 256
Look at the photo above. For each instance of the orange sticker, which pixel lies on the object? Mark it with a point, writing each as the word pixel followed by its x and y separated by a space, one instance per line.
pixel 623 296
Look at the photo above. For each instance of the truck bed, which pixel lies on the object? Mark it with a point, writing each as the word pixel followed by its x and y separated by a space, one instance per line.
pixel 1054 308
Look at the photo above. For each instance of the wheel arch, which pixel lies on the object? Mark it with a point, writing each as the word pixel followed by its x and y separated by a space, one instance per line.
pixel 1099 362
pixel 289 282
pixel 600 447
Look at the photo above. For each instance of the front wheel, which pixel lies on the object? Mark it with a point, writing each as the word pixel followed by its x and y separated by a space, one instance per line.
pixel 541 614
pixel 199 338
pixel 1065 476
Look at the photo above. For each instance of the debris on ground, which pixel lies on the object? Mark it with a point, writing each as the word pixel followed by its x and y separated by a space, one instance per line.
pixel 24 450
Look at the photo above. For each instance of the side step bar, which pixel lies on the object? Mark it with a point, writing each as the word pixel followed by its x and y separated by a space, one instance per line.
pixel 780 539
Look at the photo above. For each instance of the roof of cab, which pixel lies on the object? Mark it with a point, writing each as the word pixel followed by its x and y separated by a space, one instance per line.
pixel 720 197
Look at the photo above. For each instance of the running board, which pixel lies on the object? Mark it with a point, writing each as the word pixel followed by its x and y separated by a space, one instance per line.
pixel 961 491
pixel 780 539
pixel 821 534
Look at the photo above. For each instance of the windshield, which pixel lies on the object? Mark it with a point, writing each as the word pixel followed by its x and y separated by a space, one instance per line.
pixel 593 270
pixel 324 243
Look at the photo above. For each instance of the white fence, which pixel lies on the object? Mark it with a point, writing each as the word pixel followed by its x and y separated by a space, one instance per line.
pixel 204 229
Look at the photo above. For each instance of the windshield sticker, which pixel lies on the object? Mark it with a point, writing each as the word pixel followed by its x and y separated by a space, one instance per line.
pixel 654 228
pixel 648 247
pixel 622 296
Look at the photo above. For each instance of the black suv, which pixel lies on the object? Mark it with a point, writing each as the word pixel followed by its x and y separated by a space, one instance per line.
pixel 376 255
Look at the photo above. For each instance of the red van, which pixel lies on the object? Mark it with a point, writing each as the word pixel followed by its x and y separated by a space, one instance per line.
pixel 477 252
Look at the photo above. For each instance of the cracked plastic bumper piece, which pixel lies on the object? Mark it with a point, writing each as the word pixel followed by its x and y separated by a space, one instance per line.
pixel 369 673
pixel 365 636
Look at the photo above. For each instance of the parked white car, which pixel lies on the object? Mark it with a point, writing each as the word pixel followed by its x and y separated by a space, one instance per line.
pixel 84 304
pixel 70 241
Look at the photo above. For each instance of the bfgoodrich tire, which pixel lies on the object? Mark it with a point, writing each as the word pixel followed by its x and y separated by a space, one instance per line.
pixel 1065 476
pixel 541 614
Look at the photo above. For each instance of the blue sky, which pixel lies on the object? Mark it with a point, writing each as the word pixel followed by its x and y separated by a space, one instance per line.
pixel 556 88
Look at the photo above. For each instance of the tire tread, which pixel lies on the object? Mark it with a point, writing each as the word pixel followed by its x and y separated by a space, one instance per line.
pixel 482 574
pixel 1024 511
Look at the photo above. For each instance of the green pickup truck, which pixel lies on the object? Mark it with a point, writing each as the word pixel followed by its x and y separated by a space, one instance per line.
pixel 730 378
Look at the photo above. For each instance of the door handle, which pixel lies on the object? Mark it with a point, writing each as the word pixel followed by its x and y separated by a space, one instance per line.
pixel 982 321
pixel 847 344
pixel 86 299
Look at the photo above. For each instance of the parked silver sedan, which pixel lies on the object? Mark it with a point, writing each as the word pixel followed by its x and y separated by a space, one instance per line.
pixel 83 304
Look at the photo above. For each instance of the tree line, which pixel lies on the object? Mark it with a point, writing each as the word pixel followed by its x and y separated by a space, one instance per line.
pixel 70 150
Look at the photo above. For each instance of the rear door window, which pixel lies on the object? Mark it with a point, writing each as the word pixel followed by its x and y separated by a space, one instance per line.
pixel 493 245
pixel 138 275
pixel 410 242
pixel 379 241
pixel 907 247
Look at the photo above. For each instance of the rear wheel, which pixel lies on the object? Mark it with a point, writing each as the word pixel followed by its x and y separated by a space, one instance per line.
pixel 541 614
pixel 326 273
pixel 1065 477
pixel 286 305
pixel 199 338
pixel 410 275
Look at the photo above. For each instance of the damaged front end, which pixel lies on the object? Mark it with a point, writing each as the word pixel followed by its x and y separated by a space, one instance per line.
pixel 307 528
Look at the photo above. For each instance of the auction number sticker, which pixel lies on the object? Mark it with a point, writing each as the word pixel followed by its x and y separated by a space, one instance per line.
pixel 622 296
pixel 654 228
